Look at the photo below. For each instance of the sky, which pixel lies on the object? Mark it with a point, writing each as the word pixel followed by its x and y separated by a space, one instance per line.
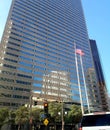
pixel 97 16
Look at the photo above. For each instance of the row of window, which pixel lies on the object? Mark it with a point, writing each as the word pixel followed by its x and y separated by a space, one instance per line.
pixel 54 49
pixel 33 12
pixel 8 72
pixel 50 23
pixel 29 54
pixel 11 104
pixel 47 33
pixel 14 96
pixel 20 97
pixel 7 87
pixel 46 66
pixel 39 39
pixel 47 43
pixel 38 69
pixel 6 79
pixel 12 80
pixel 24 76
pixel 11 60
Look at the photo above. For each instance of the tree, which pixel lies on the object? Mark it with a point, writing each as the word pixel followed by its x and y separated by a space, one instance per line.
pixel 11 118
pixel 36 112
pixel 22 116
pixel 54 110
pixel 75 114
pixel 4 115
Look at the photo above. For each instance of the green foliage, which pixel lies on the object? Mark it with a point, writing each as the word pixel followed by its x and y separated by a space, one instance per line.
pixel 12 116
pixel 36 112
pixel 22 115
pixel 4 114
pixel 75 114
pixel 54 109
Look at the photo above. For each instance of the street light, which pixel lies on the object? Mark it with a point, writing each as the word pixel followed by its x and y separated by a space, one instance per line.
pixel 30 112
pixel 62 115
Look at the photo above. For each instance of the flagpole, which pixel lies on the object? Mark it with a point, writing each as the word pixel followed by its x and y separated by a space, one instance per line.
pixel 84 83
pixel 79 85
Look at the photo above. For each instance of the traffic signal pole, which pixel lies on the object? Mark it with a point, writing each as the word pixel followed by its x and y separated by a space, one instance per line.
pixel 46 121
pixel 45 107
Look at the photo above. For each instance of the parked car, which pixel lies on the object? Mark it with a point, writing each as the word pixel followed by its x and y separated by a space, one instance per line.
pixel 95 121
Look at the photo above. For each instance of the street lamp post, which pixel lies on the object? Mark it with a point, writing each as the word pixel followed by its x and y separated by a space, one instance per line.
pixel 30 112
pixel 62 117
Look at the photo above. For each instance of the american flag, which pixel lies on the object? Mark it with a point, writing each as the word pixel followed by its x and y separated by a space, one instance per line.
pixel 80 52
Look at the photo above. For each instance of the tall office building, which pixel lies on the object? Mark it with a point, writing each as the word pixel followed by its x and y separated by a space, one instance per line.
pixel 38 52
pixel 100 75
pixel 93 91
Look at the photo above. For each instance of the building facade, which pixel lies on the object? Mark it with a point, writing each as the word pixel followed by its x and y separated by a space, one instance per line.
pixel 38 52
pixel 93 91
pixel 100 76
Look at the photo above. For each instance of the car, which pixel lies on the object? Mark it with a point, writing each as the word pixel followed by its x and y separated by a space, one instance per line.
pixel 95 121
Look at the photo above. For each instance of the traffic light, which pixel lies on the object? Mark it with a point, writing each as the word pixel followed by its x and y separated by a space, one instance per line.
pixel 35 103
pixel 45 107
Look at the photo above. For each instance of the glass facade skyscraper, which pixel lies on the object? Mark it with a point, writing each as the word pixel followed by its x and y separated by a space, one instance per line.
pixel 93 91
pixel 100 76
pixel 38 52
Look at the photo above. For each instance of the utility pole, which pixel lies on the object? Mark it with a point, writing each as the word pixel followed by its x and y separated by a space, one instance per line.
pixel 62 117
pixel 30 112
pixel 46 120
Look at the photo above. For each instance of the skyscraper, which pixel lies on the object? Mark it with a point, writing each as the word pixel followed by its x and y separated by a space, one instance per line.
pixel 93 91
pixel 38 52
pixel 100 75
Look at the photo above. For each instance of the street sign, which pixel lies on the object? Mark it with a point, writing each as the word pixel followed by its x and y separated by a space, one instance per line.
pixel 46 122
pixel 43 116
